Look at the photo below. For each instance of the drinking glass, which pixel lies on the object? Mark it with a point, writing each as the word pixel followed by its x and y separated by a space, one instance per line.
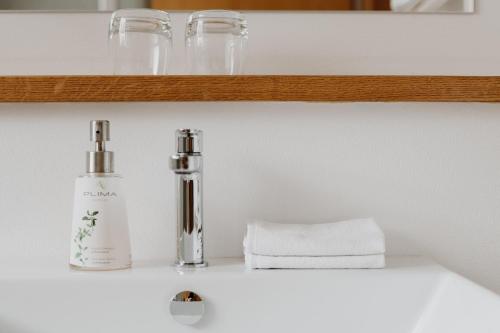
pixel 140 41
pixel 215 42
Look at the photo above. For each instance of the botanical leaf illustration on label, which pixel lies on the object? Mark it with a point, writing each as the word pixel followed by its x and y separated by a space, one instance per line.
pixel 83 233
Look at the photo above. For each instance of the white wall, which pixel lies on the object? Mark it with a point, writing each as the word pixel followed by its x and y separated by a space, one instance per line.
pixel 429 173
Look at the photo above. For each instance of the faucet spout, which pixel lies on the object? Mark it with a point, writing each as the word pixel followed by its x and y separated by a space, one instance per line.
pixel 187 165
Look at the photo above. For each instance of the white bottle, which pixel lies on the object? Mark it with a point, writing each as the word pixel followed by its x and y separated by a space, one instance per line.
pixel 99 236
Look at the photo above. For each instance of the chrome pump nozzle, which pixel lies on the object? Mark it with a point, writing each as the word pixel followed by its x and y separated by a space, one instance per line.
pixel 99 160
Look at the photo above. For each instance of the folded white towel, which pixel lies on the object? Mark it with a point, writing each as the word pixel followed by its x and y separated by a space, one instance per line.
pixel 253 261
pixel 347 238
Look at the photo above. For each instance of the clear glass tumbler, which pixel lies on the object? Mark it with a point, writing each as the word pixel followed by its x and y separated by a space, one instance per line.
pixel 216 42
pixel 140 42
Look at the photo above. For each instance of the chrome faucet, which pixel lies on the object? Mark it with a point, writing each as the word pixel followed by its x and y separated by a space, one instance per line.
pixel 187 166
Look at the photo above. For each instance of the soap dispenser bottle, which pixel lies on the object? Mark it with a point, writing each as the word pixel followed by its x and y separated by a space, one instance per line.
pixel 100 234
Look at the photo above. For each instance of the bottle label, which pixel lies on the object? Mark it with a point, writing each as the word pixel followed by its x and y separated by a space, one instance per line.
pixel 100 235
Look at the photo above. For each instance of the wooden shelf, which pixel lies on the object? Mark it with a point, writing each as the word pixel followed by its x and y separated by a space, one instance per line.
pixel 250 88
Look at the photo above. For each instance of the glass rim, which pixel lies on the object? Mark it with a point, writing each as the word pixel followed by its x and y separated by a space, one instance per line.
pixel 141 13
pixel 140 20
pixel 216 14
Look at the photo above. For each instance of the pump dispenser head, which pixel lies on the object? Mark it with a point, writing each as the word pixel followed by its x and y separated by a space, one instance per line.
pixel 99 160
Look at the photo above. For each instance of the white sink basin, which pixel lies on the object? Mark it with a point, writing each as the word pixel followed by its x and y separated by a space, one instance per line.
pixel 412 294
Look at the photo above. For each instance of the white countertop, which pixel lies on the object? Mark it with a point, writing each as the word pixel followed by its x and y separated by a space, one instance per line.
pixel 157 269
pixel 412 294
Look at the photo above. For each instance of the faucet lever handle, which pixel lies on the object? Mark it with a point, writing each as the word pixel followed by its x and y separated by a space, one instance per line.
pixel 189 141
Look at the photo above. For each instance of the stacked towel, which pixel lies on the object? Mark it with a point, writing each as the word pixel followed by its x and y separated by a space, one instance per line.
pixel 349 244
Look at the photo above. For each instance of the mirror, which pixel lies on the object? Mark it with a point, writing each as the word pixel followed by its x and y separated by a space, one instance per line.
pixel 402 6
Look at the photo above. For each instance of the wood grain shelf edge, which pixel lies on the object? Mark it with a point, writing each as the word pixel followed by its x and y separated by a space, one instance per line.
pixel 250 88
